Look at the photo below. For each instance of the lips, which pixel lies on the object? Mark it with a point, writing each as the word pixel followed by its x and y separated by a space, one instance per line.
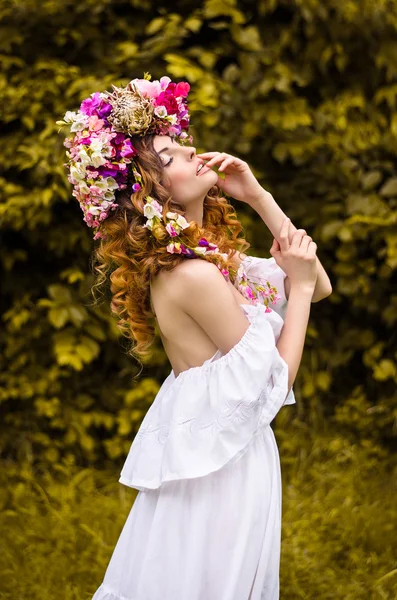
pixel 204 169
pixel 201 162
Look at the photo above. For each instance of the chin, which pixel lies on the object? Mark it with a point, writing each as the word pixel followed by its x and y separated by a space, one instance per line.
pixel 211 179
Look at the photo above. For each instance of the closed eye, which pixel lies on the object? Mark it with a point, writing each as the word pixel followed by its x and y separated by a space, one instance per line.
pixel 170 161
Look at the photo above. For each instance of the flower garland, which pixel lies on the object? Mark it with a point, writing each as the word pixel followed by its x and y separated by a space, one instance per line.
pixel 176 223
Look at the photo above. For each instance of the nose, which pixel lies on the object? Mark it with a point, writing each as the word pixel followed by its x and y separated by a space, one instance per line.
pixel 193 153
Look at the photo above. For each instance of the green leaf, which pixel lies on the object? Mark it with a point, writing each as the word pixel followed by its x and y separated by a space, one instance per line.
pixel 58 317
pixel 385 369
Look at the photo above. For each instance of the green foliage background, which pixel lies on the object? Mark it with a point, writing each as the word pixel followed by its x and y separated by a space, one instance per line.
pixel 304 91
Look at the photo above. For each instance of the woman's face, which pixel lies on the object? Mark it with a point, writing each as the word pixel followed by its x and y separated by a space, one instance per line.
pixel 180 166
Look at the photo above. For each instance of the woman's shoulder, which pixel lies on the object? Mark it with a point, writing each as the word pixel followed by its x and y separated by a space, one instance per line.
pixel 189 271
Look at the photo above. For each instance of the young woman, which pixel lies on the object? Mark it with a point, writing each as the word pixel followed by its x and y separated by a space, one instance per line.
pixel 206 523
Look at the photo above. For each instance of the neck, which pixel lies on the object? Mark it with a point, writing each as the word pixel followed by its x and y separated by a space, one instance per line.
pixel 195 213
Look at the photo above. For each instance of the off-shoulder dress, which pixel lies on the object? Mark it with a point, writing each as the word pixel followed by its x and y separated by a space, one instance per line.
pixel 206 522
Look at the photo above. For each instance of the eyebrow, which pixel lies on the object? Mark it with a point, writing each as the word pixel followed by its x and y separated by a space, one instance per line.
pixel 165 149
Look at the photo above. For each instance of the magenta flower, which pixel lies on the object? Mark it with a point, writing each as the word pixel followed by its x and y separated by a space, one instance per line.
pixel 127 149
pixel 169 101
pixel 90 105
pixel 171 230
pixel 203 242
pixel 182 89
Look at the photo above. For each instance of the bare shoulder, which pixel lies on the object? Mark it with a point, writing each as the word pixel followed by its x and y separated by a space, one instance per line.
pixel 193 273
pixel 182 277
pixel 193 277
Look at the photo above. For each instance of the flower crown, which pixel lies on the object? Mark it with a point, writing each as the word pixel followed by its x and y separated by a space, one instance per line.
pixel 101 149
pixel 101 158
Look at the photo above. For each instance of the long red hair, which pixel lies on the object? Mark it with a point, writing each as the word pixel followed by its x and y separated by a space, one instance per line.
pixel 130 255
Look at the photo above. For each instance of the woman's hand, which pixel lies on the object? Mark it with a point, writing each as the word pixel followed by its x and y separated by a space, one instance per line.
pixel 240 182
pixel 297 259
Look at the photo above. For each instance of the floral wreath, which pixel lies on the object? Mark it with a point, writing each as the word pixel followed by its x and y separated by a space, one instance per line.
pixel 101 156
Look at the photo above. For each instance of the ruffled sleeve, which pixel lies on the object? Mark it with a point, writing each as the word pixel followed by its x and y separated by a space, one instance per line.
pixel 207 416
pixel 259 269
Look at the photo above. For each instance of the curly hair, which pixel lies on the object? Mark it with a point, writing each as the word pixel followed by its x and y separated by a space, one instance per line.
pixel 130 255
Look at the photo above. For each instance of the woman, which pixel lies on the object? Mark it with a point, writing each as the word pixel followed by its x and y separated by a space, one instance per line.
pixel 206 523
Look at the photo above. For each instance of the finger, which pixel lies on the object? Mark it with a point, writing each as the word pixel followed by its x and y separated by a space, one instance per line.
pixel 226 162
pixel 312 249
pixel 284 235
pixel 306 240
pixel 217 159
pixel 304 235
pixel 297 239
pixel 207 154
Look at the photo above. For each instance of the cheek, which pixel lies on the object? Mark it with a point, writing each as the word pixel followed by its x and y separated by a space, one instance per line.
pixel 179 177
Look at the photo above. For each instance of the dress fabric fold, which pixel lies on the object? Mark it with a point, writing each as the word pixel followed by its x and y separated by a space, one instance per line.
pixel 206 523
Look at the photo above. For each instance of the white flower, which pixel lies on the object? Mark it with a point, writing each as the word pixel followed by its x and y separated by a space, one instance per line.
pixel 69 116
pixel 101 184
pixel 80 122
pixel 111 183
pixel 78 172
pixel 109 195
pixel 172 215
pixel 172 119
pixel 94 210
pixel 96 145
pixel 97 159
pixel 182 222
pixel 200 250
pixel 149 224
pixel 83 187
pixel 83 156
pixel 150 211
pixel 160 111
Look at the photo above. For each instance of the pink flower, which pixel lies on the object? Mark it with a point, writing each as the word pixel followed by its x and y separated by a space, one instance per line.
pixel 174 248
pixel 182 89
pixel 148 89
pixel 171 230
pixel 164 81
pixel 94 123
pixel 96 191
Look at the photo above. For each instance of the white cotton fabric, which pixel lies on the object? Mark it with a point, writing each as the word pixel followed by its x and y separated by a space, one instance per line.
pixel 206 523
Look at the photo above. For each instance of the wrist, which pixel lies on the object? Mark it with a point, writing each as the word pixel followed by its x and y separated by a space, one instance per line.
pixel 303 289
pixel 261 197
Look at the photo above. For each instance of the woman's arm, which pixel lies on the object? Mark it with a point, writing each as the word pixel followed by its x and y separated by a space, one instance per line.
pixel 272 215
pixel 292 338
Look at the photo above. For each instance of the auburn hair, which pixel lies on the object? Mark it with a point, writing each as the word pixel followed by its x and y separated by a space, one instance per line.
pixel 130 255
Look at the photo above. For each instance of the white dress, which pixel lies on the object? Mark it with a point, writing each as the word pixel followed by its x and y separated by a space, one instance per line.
pixel 206 523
